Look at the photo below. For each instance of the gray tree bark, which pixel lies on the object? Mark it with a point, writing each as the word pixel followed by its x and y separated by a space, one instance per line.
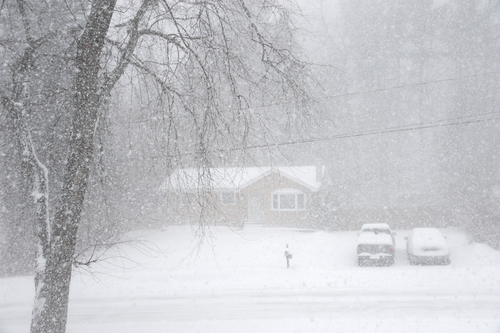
pixel 52 297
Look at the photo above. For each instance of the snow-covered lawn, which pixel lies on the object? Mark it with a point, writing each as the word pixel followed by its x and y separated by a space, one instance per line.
pixel 238 282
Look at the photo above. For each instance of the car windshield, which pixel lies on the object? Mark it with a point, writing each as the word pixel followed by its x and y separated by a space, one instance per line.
pixel 377 231
pixel 374 248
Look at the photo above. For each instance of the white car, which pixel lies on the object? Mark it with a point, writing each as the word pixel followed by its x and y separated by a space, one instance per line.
pixel 375 249
pixel 427 246
pixel 378 228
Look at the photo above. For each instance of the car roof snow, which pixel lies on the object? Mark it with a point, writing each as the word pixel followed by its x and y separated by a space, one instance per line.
pixel 428 237
pixel 375 226
pixel 371 238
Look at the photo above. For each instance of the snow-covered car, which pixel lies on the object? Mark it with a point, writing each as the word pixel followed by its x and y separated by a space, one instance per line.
pixel 375 249
pixel 378 228
pixel 427 246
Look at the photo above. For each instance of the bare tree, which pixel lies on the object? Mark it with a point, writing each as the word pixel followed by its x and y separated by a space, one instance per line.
pixel 210 62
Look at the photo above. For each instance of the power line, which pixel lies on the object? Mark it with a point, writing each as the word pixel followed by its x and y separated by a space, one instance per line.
pixel 356 93
pixel 411 127
pixel 404 128
pixel 372 132
pixel 410 85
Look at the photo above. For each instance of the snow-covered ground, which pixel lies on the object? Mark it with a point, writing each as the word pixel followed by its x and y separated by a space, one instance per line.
pixel 238 282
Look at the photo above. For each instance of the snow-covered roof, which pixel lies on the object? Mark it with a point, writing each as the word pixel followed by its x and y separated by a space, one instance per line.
pixel 239 178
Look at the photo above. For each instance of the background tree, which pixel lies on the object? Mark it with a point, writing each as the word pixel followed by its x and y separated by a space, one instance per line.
pixel 413 119
pixel 471 46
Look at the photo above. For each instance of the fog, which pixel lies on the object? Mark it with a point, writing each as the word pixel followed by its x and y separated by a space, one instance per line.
pixel 410 91
pixel 284 122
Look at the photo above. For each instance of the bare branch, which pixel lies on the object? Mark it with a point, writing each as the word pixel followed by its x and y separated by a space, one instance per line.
pixel 127 51
pixel 170 38
pixel 27 28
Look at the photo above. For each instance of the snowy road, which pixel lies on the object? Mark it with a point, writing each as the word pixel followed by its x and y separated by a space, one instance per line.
pixel 279 305
pixel 274 305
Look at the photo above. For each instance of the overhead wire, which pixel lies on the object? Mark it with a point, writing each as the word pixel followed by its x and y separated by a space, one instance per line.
pixel 403 128
pixel 409 85
pixel 457 121
pixel 363 92
pixel 396 129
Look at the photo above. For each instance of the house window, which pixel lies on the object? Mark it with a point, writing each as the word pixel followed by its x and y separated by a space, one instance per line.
pixel 188 198
pixel 292 200
pixel 300 202
pixel 228 198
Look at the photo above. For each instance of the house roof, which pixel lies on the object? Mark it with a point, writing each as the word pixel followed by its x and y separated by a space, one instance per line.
pixel 239 178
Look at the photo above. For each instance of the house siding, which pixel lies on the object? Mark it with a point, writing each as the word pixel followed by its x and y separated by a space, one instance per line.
pixel 266 187
pixel 253 204
pixel 207 208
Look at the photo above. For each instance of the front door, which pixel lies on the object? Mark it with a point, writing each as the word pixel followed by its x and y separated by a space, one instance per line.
pixel 255 208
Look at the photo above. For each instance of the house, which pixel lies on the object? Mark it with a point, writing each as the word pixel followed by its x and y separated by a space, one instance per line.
pixel 273 196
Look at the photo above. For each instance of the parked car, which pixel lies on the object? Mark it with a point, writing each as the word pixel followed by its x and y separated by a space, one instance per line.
pixel 427 246
pixel 378 228
pixel 375 249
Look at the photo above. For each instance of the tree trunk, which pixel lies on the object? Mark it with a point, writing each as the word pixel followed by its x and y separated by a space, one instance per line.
pixel 33 171
pixel 36 175
pixel 52 297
